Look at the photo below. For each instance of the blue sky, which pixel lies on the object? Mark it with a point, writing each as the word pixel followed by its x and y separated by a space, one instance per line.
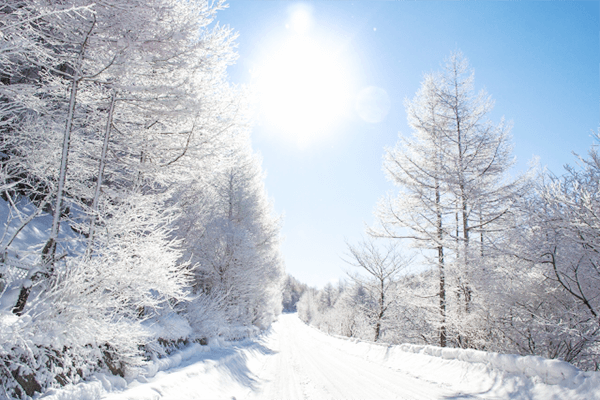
pixel 539 60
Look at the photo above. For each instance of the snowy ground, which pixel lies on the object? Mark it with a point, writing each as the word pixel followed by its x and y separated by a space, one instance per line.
pixel 294 361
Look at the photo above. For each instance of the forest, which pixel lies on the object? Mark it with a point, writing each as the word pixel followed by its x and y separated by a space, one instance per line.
pixel 135 217
pixel 505 264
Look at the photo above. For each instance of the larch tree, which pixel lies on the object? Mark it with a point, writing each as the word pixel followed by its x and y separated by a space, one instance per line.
pixel 452 176
pixel 418 211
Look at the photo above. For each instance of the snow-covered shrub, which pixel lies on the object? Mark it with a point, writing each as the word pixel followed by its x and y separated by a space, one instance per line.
pixel 88 313
pixel 207 316
pixel 67 332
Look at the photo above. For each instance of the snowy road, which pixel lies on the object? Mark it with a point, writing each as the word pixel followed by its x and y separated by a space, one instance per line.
pixel 293 361
pixel 306 366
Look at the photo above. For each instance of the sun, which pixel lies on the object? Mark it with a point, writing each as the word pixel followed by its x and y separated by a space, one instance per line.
pixel 303 85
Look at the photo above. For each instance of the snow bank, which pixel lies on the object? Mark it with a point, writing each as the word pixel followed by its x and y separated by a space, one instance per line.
pixel 162 364
pixel 99 384
pixel 222 371
pixel 550 371
pixel 217 353
pixel 499 375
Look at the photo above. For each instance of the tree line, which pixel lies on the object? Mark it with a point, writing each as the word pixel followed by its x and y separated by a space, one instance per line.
pixel 129 186
pixel 507 264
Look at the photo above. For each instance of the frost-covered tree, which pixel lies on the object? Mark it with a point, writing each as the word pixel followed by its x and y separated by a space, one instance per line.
pixel 557 243
pixel 415 166
pixel 453 188
pixel 476 158
pixel 139 69
pixel 109 112
pixel 383 267
pixel 292 291
pixel 232 238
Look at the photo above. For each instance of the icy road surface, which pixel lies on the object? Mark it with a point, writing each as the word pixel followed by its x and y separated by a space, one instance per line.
pixel 294 361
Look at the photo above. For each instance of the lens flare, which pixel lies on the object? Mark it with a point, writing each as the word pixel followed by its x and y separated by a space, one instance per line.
pixel 373 104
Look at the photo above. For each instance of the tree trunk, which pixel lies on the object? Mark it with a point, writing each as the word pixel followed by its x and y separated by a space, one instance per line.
pixel 381 311
pixel 94 217
pixel 49 250
pixel 442 294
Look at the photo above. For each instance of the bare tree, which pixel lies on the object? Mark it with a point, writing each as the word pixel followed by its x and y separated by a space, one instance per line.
pixel 383 265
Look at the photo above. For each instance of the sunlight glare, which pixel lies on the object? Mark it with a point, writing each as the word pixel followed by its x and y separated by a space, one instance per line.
pixel 300 18
pixel 303 90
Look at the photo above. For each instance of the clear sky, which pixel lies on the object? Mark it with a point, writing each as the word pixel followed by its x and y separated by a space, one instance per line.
pixel 331 78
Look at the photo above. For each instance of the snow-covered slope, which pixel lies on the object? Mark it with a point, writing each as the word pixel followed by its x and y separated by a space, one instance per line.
pixel 294 361
pixel 32 230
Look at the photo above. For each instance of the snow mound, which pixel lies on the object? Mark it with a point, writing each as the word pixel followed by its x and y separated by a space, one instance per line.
pixel 211 360
pixel 552 372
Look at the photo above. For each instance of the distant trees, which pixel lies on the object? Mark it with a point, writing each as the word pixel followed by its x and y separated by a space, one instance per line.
pixel 365 305
pixel 292 291
pixel 343 309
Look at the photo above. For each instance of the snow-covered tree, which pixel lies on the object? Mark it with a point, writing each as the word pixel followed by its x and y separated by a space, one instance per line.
pixel 556 312
pixel 383 267
pixel 232 236
pixel 453 185
pixel 138 70
pixel 292 291
pixel 109 113
pixel 418 211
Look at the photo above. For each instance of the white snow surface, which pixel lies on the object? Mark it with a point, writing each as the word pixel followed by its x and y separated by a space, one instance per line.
pixel 295 361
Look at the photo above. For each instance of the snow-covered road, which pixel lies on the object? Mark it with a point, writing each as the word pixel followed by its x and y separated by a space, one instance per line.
pixel 305 365
pixel 295 361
